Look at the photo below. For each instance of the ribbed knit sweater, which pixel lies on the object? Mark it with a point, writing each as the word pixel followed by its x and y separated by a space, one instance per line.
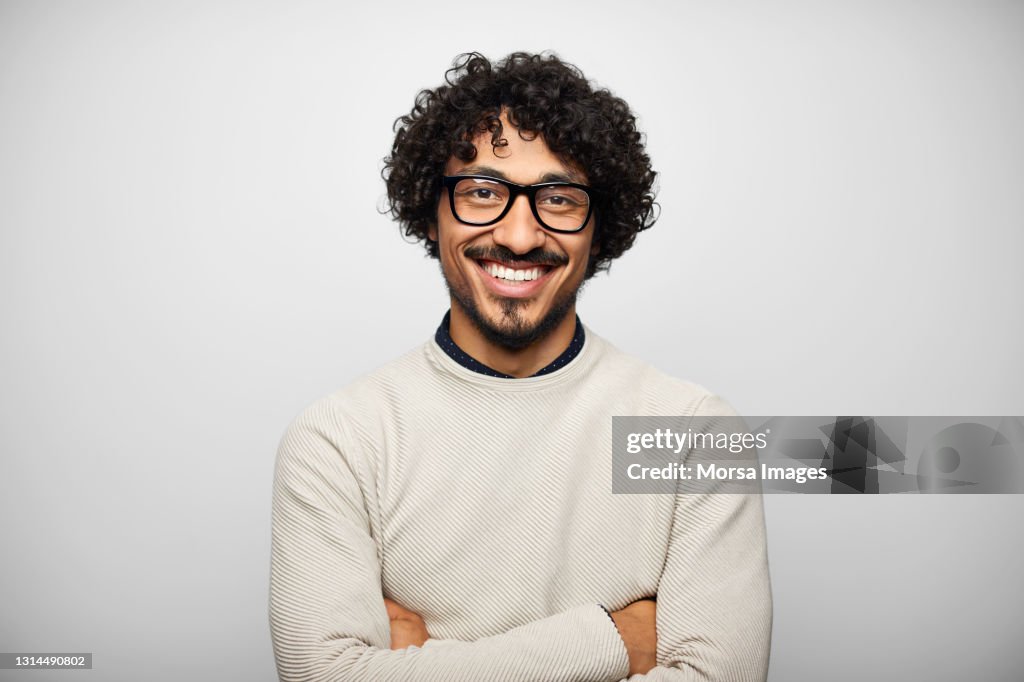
pixel 485 505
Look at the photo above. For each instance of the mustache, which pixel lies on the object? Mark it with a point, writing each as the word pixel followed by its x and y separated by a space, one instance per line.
pixel 505 255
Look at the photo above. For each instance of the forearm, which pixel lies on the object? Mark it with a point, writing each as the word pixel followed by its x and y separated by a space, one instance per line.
pixel 578 644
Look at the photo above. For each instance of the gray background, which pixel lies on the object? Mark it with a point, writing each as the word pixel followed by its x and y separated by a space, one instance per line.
pixel 191 252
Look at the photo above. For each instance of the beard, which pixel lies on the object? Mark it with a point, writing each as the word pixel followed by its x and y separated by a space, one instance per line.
pixel 512 330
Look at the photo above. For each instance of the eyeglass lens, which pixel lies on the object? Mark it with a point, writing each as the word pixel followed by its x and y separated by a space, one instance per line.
pixel 478 200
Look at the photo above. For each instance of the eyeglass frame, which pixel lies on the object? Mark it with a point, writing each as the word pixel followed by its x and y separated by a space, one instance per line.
pixel 515 189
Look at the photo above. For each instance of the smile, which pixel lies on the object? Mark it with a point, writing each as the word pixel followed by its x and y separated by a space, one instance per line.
pixel 512 274
pixel 520 280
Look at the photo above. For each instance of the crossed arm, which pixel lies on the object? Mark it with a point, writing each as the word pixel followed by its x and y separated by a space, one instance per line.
pixel 331 622
pixel 636 625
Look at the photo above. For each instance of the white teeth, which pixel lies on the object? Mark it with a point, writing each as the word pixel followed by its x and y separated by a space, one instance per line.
pixel 511 274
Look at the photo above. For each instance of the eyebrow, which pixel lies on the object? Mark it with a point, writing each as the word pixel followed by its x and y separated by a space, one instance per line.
pixel 566 176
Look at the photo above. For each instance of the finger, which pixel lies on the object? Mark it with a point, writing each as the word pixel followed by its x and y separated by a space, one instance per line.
pixel 394 610
pixel 398 612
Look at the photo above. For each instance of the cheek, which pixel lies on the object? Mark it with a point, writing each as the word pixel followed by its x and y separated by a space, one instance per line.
pixel 450 251
pixel 582 253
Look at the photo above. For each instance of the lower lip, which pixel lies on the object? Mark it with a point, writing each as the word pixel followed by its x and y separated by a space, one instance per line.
pixel 514 288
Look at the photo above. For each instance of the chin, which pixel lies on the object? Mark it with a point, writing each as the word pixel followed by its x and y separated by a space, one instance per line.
pixel 509 328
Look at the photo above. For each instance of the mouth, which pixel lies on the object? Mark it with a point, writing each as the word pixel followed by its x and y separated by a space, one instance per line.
pixel 517 280
pixel 525 272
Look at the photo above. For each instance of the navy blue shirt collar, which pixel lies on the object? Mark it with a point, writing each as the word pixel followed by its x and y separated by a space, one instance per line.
pixel 444 339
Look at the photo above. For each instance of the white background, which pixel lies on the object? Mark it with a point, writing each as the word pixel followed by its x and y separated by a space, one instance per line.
pixel 191 251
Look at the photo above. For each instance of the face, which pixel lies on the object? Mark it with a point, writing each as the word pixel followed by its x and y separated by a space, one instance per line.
pixel 515 280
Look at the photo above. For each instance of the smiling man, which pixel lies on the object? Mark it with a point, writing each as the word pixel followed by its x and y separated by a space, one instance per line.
pixel 449 516
pixel 513 285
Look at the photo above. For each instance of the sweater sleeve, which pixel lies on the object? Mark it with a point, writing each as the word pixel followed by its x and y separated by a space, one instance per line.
pixel 714 613
pixel 327 614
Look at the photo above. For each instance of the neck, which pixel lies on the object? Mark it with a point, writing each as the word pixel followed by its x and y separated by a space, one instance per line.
pixel 519 363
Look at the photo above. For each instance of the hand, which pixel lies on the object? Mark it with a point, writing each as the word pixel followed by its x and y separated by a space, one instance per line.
pixel 407 628
pixel 636 624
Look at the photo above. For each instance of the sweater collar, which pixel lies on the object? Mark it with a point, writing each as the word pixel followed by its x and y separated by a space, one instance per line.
pixel 444 340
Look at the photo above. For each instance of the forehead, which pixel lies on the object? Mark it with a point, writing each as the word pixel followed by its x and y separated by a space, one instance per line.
pixel 525 161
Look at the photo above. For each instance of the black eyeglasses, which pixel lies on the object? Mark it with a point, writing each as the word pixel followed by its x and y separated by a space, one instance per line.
pixel 480 200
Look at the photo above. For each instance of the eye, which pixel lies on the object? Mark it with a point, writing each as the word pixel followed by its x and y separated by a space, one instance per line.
pixel 562 198
pixel 479 191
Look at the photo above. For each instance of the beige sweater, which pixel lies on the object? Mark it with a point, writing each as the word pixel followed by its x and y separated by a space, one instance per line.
pixel 485 505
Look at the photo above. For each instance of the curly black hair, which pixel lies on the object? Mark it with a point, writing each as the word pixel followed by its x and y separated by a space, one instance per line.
pixel 589 128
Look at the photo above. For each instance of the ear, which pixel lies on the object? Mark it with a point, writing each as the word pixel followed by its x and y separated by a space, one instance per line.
pixel 432 232
pixel 595 247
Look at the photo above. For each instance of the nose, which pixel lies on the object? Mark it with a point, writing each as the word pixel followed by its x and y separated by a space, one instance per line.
pixel 519 230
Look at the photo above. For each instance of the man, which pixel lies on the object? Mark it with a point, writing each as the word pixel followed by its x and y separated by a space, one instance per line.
pixel 450 515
